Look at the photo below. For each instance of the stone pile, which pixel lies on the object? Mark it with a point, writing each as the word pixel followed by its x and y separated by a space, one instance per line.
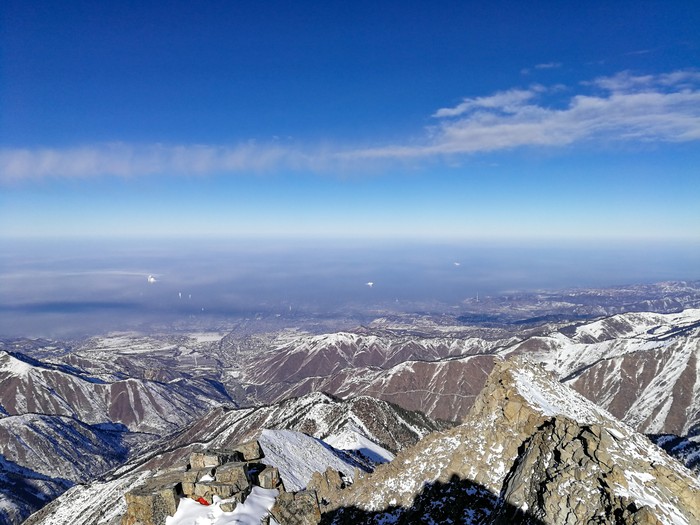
pixel 229 474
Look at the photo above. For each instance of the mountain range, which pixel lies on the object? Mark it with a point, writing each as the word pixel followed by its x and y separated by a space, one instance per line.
pixel 92 418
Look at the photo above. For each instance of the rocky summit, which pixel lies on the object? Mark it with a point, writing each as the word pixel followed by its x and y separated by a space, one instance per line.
pixel 530 451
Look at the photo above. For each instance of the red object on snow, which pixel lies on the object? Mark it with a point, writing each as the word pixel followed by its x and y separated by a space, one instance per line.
pixel 202 501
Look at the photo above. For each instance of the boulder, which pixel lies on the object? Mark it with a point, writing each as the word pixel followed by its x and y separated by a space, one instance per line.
pixel 268 478
pixel 152 502
pixel 213 458
pixel 234 474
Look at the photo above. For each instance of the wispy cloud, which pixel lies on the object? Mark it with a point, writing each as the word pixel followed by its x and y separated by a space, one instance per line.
pixel 545 65
pixel 129 160
pixel 548 65
pixel 622 107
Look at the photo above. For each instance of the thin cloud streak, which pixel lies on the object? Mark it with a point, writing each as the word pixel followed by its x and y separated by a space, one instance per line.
pixel 620 108
pixel 126 160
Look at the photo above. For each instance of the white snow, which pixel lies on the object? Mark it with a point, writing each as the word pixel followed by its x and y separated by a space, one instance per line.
pixel 350 438
pixel 298 456
pixel 256 506
pixel 13 365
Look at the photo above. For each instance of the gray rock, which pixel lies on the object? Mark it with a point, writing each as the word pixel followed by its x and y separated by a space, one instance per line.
pixel 234 474
pixel 213 458
pixel 269 478
pixel 249 450
pixel 152 502
pixel 296 508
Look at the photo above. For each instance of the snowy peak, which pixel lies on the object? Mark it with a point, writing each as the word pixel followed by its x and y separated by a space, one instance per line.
pixel 642 325
pixel 642 367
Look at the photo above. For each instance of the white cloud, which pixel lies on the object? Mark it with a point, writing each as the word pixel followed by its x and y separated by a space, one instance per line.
pixel 623 107
pixel 548 65
pixel 132 160
pixel 660 108
pixel 507 101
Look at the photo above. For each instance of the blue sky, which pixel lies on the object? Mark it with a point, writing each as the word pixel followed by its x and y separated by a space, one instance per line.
pixel 459 120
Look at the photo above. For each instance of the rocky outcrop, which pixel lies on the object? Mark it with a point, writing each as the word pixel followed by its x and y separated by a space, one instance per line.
pixel 225 478
pixel 222 476
pixel 530 451
pixel 567 475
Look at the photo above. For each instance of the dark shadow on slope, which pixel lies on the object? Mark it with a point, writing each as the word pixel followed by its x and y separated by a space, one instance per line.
pixel 24 491
pixel 459 501
pixel 682 448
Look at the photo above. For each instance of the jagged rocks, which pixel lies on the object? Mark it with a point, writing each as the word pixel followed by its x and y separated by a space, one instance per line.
pixel 326 485
pixel 566 475
pixel 296 508
pixel 532 451
pixel 269 478
pixel 235 475
pixel 219 476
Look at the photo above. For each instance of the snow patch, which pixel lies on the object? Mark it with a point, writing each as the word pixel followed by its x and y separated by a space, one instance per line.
pixel 351 439
pixel 256 506
pixel 297 456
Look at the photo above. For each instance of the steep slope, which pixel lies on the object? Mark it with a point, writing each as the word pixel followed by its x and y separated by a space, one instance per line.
pixel 530 451
pixel 328 354
pixel 61 452
pixel 318 415
pixel 443 388
pixel 59 426
pixel 643 367
pixel 30 386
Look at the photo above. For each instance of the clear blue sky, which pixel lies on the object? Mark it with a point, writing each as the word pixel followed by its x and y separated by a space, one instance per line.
pixel 493 119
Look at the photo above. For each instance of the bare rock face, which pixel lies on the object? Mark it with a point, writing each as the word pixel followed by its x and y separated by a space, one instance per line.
pixel 296 508
pixel 531 451
pixel 151 503
pixel 567 475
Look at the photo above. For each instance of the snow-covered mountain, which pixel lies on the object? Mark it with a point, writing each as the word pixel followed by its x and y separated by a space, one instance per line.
pixel 318 415
pixel 59 426
pixel 643 367
pixel 31 386
pixel 439 376
pixel 531 450
pixel 42 455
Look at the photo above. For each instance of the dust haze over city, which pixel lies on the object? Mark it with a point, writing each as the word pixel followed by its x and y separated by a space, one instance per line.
pixel 74 288
pixel 300 239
